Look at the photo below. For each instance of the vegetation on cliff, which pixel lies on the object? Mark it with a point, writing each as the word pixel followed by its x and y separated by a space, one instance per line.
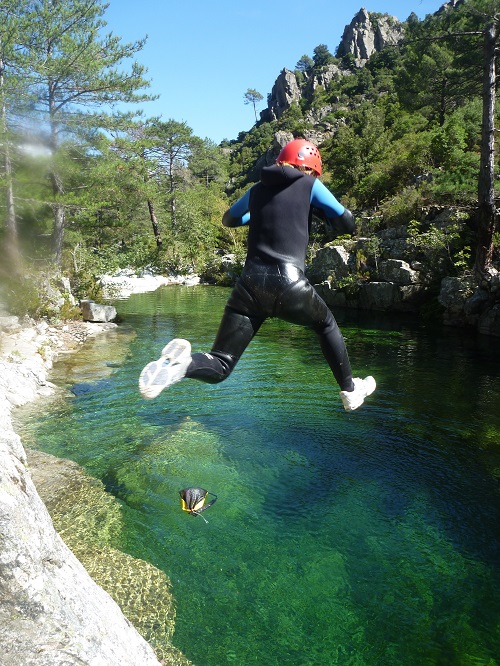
pixel 92 189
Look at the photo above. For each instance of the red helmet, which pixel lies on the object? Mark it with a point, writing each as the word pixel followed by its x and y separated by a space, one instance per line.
pixel 300 152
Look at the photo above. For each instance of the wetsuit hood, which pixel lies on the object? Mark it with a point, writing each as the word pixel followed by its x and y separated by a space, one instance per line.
pixel 280 175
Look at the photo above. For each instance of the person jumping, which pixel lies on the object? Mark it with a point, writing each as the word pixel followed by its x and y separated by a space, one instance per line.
pixel 278 210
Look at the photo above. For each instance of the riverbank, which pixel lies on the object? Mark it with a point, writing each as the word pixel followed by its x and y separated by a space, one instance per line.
pixel 29 349
pixel 53 612
pixel 126 282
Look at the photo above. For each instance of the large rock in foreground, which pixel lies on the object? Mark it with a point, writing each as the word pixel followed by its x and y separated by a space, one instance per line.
pixel 51 612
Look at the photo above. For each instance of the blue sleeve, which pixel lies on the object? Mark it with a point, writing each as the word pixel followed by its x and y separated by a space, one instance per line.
pixel 239 210
pixel 323 199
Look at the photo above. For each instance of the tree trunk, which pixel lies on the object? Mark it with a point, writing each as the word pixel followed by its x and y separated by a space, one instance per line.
pixel 442 106
pixel 154 222
pixel 58 234
pixel 172 194
pixel 12 243
pixel 486 213
pixel 13 258
pixel 55 176
pixel 173 211
pixel 59 219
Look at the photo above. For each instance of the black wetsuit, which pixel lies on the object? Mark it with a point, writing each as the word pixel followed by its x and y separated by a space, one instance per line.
pixel 278 210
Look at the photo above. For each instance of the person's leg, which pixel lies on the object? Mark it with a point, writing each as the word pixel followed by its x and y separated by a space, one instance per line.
pixel 241 320
pixel 301 304
pixel 236 330
pixel 334 350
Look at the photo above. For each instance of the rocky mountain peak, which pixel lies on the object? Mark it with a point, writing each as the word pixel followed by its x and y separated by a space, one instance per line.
pixel 285 92
pixel 367 33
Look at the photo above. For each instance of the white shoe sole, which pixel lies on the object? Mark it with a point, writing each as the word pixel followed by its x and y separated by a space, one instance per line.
pixel 167 370
pixel 362 389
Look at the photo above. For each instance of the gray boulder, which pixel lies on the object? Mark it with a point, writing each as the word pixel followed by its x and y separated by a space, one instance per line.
pixel 9 323
pixel 398 271
pixel 454 293
pixel 284 93
pixel 378 295
pixel 332 261
pixel 51 612
pixel 367 34
pixel 97 312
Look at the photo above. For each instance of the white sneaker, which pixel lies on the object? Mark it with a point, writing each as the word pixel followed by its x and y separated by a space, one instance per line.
pixel 170 368
pixel 362 388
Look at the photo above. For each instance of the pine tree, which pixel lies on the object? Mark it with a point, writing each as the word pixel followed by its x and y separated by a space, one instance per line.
pixel 11 28
pixel 75 72
pixel 456 52
pixel 253 97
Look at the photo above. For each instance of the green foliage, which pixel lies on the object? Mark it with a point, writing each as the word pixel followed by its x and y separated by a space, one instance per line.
pixel 197 230
pixel 319 98
pixel 292 120
pixel 360 83
pixel 38 294
pixel 406 159
pixel 305 64
pixel 322 57
pixel 401 207
pixel 253 97
pixel 208 163
pixel 22 297
pixel 350 284
pixel 246 153
pixel 417 140
pixel 70 73
pixel 87 264
pixel 355 146
pixel 371 249
pixel 403 131
pixel 458 184
pixel 447 240
pixel 348 61
pixel 462 259
pixel 496 241
pixel 448 142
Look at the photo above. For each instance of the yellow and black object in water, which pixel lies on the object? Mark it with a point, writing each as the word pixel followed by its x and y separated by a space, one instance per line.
pixel 193 500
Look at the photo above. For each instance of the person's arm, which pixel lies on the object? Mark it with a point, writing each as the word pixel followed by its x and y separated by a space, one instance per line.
pixel 338 218
pixel 238 214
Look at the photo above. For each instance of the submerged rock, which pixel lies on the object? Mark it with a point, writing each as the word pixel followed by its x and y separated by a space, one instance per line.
pixel 90 521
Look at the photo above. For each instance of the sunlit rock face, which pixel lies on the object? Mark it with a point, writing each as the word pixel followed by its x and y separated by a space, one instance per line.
pixel 368 33
pixel 51 611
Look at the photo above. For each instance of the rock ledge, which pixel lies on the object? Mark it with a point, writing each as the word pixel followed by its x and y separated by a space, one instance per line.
pixel 52 612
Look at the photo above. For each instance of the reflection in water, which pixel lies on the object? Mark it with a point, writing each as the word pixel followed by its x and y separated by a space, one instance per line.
pixel 364 538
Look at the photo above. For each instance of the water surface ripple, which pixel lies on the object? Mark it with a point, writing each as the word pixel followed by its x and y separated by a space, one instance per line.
pixel 361 539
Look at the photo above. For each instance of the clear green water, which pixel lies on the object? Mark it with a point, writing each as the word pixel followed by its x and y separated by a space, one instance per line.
pixel 369 538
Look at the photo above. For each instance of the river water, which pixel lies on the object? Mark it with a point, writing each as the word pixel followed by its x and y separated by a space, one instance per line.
pixel 369 538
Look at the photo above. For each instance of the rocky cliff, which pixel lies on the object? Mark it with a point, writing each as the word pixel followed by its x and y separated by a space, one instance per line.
pixel 365 35
pixel 386 272
pixel 51 612
pixel 368 33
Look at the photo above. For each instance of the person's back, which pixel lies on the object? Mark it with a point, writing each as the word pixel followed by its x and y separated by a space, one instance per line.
pixel 280 216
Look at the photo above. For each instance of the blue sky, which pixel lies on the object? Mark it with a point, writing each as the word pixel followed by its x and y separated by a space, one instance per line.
pixel 203 56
